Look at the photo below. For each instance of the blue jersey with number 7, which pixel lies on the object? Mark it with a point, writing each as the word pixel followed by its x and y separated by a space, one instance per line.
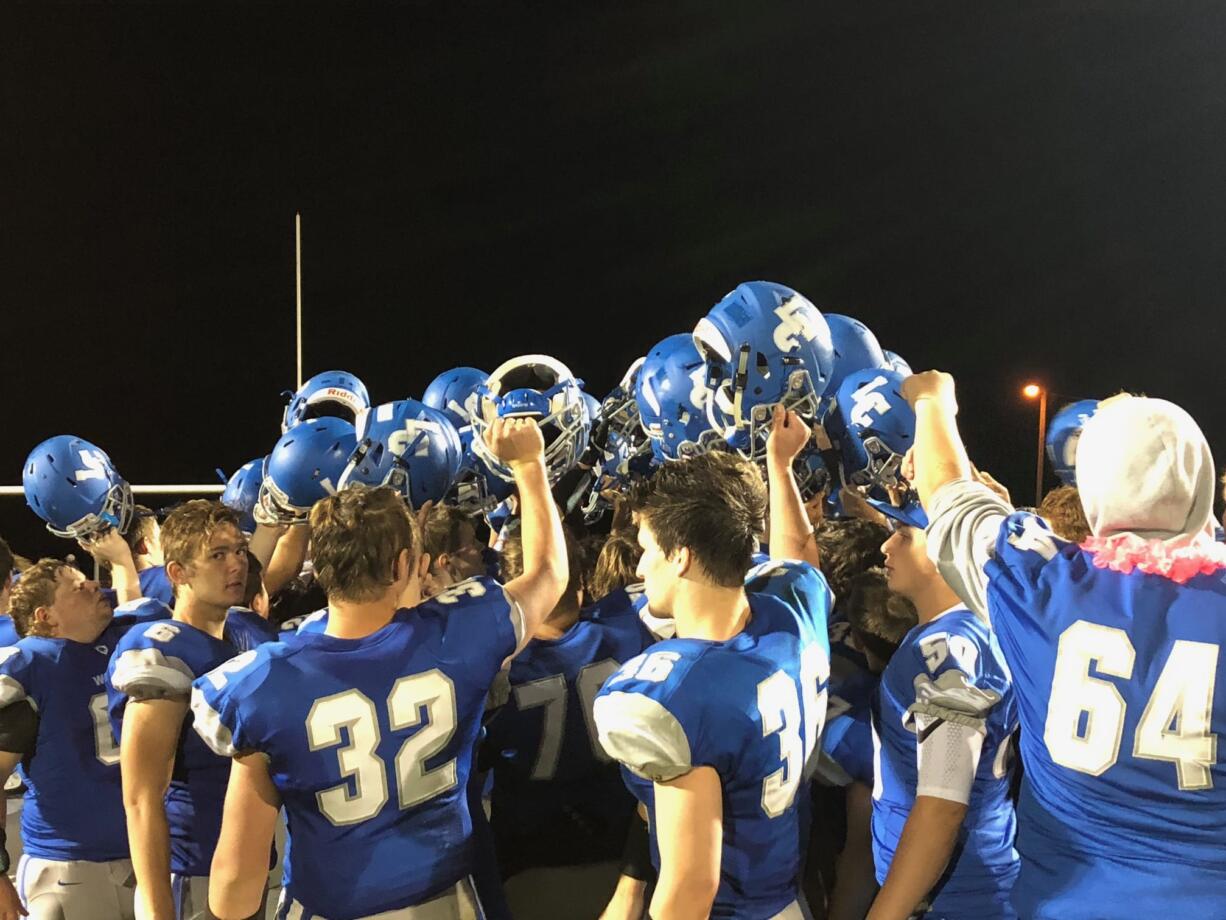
pixel 1121 693
pixel 369 742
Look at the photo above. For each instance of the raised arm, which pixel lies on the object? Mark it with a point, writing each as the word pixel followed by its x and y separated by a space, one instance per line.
pixel 791 535
pixel 112 549
pixel 518 443
pixel 939 455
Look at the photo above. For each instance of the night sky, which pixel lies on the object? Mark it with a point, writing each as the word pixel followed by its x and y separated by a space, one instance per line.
pixel 1006 191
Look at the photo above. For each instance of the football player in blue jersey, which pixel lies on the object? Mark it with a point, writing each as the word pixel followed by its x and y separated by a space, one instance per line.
pixel 560 809
pixel 943 720
pixel 173 784
pixel 54 728
pixel 450 538
pixel 365 732
pixel 144 537
pixel 1116 651
pixel 714 728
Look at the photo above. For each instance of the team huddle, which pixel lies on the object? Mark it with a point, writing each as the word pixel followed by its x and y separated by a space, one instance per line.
pixel 749 637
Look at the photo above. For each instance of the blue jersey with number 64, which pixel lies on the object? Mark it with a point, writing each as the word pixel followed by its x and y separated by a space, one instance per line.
pixel 369 742
pixel 1121 690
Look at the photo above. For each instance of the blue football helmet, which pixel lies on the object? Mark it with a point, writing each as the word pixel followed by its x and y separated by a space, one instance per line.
pixel 855 348
pixel 541 388
pixel 304 466
pixel 764 345
pixel 877 427
pixel 812 476
pixel 910 512
pixel 73 486
pixel 672 396
pixel 337 394
pixel 243 491
pixel 620 408
pixel 476 490
pixel 406 445
pixel 896 362
pixel 1063 434
pixel 454 393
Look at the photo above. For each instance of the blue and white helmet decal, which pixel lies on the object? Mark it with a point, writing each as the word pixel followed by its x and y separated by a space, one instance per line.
pixel 74 487
pixel 764 344
pixel 407 446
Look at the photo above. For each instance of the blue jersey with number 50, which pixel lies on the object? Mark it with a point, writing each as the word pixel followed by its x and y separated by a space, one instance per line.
pixel 369 742
pixel 751 708
pixel 1121 692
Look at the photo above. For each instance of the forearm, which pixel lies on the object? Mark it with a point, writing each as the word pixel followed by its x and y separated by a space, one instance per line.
pixel 544 547
pixel 263 542
pixel 791 536
pixel 235 891
pixel 927 842
pixel 287 558
pixel 149 842
pixel 939 453
pixel 628 899
pixel 125 581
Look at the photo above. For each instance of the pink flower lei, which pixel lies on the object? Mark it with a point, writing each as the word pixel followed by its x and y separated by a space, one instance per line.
pixel 1179 559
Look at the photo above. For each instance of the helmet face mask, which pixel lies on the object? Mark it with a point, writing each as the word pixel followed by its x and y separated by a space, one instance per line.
pixel 764 345
pixel 541 388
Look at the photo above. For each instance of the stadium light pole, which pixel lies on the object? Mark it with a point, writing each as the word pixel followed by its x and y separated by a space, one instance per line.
pixel 1035 391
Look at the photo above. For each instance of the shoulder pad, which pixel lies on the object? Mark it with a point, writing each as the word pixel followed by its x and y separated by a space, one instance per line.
pixel 640 733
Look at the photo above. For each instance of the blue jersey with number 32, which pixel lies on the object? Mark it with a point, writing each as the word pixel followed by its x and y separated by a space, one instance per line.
pixel 369 742
pixel 752 709
pixel 1121 691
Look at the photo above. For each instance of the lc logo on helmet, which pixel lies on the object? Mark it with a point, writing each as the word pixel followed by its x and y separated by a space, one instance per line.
pixel 796 322
pixel 868 400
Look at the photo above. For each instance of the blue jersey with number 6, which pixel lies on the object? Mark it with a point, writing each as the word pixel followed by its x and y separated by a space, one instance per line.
pixel 752 709
pixel 369 742
pixel 1121 692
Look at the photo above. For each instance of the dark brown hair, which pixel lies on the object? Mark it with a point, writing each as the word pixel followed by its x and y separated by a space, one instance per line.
pixel 713 505
pixel 1062 509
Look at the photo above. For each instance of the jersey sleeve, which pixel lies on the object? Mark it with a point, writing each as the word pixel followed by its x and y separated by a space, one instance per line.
pixel 484 624
pixel 799 585
pixel 141 610
pixel 220 702
pixel 964 520
pixel 957 684
pixel 637 731
pixel 316 622
pixel 1024 547
pixel 16 667
pixel 848 742
pixel 145 667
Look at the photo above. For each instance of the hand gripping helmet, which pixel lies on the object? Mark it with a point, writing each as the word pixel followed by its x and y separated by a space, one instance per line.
pixel 73 486
pixel 877 427
pixel 672 397
pixel 764 345
pixel 896 362
pixel 243 491
pixel 406 445
pixel 1063 434
pixel 303 467
pixel 454 393
pixel 336 394
pixel 541 388
pixel 855 348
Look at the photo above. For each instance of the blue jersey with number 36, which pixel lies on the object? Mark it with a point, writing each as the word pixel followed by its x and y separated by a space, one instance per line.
pixel 369 742
pixel 751 708
pixel 1121 691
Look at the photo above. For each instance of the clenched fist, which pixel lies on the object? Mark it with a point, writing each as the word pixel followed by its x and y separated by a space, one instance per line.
pixel 515 441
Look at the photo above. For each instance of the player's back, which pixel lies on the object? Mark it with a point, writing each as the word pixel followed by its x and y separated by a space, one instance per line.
pixel 751 708
pixel 1122 697
pixel 558 797
pixel 369 742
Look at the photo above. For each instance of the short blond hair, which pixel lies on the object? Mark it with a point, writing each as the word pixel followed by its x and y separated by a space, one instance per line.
pixel 35 589
pixel 356 537
pixel 189 527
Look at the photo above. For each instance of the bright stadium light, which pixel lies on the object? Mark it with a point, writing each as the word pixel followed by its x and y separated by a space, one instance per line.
pixel 1031 390
pixel 1035 391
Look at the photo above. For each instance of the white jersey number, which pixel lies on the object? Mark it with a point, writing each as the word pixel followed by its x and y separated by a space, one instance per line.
pixel 1174 726
pixel 354 715
pixel 105 748
pixel 550 693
